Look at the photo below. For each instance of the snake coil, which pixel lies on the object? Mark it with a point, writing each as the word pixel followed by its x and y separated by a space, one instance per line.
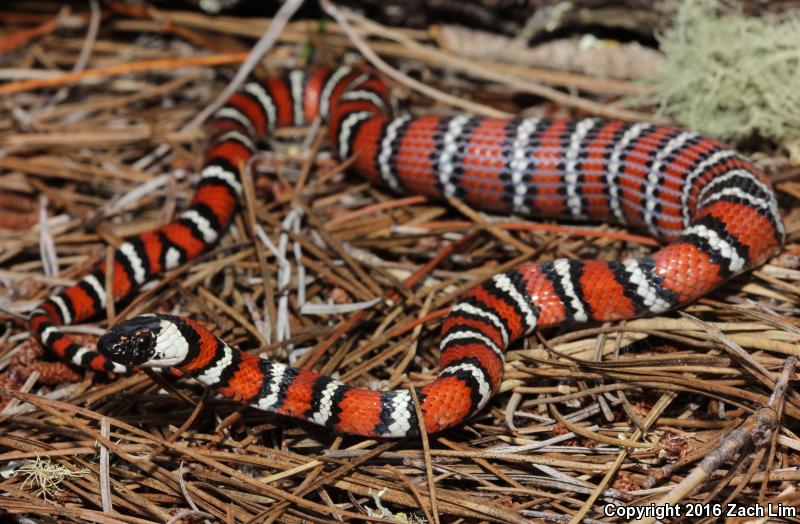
pixel 716 211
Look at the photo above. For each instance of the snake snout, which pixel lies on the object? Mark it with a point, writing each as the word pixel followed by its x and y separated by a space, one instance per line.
pixel 131 342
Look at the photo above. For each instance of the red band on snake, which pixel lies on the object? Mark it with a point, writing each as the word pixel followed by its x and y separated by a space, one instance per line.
pixel 716 211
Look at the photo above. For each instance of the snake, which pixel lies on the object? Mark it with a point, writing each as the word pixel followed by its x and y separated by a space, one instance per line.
pixel 715 214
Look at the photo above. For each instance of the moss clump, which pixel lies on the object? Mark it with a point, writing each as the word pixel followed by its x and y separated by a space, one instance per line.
pixel 732 76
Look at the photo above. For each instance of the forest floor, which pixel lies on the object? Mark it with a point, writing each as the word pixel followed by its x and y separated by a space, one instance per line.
pixel 586 415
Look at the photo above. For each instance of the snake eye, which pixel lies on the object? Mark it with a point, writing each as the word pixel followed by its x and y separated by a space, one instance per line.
pixel 143 342
pixel 142 339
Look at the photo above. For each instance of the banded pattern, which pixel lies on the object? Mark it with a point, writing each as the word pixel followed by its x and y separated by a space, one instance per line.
pixel 717 212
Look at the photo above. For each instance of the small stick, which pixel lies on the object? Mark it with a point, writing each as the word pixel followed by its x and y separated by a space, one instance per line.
pixel 122 69
pixel 255 55
pixel 573 231
pixel 105 478
pixel 109 285
pixel 19 38
pixel 395 74
pixel 374 208
pixel 756 430
pixel 426 453
pixel 86 50
pixel 497 232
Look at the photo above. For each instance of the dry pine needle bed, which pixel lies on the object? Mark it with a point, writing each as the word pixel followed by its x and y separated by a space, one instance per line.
pixel 690 406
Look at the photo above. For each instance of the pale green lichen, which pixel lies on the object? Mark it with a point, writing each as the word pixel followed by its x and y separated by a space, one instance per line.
pixel 46 476
pixel 383 512
pixel 732 76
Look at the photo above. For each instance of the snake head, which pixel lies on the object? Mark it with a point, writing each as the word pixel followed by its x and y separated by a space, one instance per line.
pixel 131 342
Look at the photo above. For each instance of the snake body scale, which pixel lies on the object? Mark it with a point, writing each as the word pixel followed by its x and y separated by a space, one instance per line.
pixel 717 213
